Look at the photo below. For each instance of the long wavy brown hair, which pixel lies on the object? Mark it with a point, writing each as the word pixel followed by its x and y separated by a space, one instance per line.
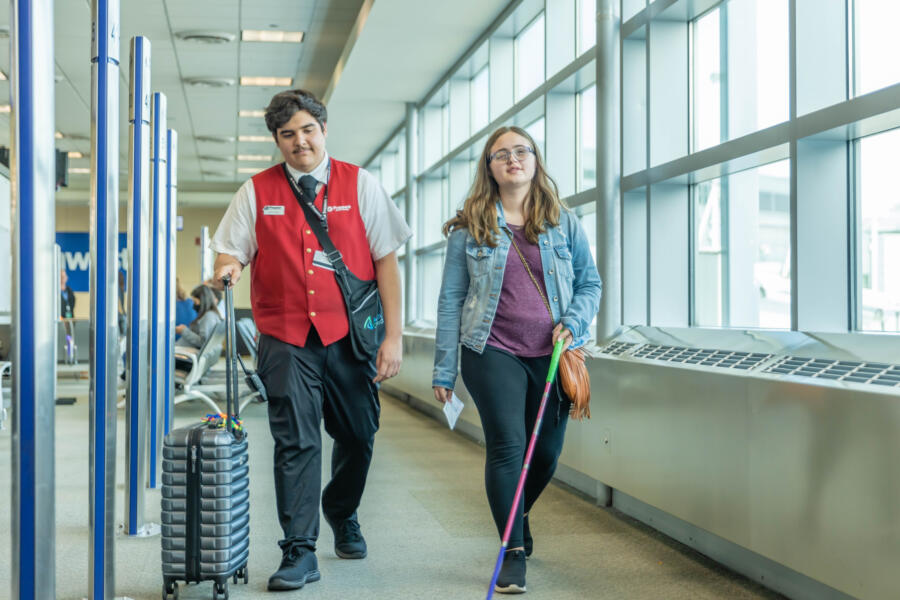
pixel 479 213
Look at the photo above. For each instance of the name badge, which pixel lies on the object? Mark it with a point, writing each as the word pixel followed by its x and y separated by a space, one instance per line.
pixel 320 259
pixel 273 210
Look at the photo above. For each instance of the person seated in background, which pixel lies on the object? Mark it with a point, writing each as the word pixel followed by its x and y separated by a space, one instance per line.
pixel 220 297
pixel 196 334
pixel 185 312
pixel 67 297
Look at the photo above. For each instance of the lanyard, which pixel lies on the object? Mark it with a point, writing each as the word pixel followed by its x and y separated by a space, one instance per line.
pixel 324 212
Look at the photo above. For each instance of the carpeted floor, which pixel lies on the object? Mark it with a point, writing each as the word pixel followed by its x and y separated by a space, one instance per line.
pixel 424 515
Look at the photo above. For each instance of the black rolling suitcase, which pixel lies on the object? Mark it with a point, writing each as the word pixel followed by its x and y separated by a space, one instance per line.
pixel 206 493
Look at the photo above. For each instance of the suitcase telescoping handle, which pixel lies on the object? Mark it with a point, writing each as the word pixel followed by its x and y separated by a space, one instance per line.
pixel 231 386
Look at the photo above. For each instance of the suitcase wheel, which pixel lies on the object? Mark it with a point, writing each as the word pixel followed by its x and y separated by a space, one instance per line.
pixel 220 590
pixel 241 574
pixel 170 590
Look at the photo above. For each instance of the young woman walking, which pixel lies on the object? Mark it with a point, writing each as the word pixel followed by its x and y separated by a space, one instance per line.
pixel 518 276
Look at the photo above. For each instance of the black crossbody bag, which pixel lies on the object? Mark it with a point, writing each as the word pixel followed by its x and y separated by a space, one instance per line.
pixel 363 302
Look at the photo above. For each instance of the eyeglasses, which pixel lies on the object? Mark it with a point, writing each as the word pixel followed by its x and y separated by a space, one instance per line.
pixel 519 152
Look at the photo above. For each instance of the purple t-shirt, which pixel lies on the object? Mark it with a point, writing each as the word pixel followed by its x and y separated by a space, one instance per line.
pixel 522 324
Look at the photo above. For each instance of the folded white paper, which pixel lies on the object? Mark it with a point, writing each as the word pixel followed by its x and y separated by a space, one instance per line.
pixel 452 410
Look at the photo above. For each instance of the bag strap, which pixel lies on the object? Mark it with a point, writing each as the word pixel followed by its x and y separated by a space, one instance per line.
pixel 530 274
pixel 334 255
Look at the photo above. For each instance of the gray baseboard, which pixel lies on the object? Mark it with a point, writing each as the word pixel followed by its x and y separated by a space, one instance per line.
pixel 768 573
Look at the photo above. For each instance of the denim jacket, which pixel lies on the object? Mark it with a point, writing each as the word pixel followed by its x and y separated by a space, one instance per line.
pixel 473 278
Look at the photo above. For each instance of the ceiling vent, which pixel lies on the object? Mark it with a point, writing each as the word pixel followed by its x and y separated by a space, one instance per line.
pixel 210 82
pixel 216 139
pixel 205 37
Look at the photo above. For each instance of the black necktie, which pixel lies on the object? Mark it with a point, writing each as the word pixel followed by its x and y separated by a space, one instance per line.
pixel 308 184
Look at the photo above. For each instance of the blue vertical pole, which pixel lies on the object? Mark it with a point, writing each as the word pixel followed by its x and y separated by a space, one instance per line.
pixel 137 394
pixel 104 289
pixel 159 240
pixel 33 283
pixel 171 197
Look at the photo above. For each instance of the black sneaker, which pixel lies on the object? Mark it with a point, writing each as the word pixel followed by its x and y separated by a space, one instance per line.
pixel 511 579
pixel 298 567
pixel 529 541
pixel 348 539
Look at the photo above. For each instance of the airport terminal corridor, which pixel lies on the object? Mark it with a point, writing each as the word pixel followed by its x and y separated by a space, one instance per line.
pixel 424 515
pixel 677 217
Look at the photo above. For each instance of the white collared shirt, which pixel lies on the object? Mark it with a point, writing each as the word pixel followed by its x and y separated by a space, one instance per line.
pixel 386 229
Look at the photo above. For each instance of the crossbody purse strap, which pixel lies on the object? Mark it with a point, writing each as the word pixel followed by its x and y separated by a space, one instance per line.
pixel 334 255
pixel 530 274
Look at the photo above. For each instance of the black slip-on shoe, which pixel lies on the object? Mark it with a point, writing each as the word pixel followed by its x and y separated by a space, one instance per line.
pixel 348 539
pixel 529 541
pixel 299 566
pixel 511 579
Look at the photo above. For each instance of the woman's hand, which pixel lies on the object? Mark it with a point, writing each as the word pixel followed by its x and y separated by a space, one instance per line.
pixel 560 332
pixel 179 329
pixel 442 394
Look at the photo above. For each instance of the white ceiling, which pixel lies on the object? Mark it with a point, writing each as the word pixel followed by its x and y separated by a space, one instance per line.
pixel 402 50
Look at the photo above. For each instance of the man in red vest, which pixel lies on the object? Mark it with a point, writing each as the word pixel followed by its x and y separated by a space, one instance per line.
pixel 306 358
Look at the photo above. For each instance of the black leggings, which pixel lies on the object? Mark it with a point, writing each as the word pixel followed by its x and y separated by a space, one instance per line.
pixel 507 390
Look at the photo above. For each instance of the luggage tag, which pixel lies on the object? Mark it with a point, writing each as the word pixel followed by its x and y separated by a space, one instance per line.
pixel 320 259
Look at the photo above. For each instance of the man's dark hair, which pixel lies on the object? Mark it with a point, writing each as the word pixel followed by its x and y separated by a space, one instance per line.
pixel 284 104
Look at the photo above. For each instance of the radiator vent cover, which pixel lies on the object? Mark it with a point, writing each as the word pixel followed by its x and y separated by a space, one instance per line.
pixel 838 370
pixel 874 373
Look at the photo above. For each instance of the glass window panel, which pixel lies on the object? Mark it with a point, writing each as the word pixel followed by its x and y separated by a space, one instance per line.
pixel 587 24
pixel 879 233
pixel 431 212
pixel 479 98
pixel 430 273
pixel 877 44
pixel 755 67
pixel 587 122
pixel 432 135
pixel 742 257
pixel 707 81
pixel 536 131
pixel 588 218
pixel 529 49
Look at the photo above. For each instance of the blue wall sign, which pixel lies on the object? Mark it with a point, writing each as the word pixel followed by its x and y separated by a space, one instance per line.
pixel 76 257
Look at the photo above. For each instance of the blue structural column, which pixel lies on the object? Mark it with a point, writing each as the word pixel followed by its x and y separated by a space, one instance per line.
pixel 137 394
pixel 159 234
pixel 104 289
pixel 34 322
pixel 171 202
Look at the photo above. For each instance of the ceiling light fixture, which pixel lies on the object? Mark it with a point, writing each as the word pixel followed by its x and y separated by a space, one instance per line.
pixel 3 76
pixel 80 170
pixel 252 157
pixel 58 135
pixel 4 108
pixel 267 81
pixel 254 138
pixel 215 139
pixel 75 154
pixel 248 170
pixel 205 37
pixel 260 35
pixel 246 112
pixel 209 82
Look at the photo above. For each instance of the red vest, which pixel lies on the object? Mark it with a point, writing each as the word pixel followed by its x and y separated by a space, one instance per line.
pixel 287 291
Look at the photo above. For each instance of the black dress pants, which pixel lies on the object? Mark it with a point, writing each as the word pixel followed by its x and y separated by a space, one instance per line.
pixel 304 386
pixel 507 390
